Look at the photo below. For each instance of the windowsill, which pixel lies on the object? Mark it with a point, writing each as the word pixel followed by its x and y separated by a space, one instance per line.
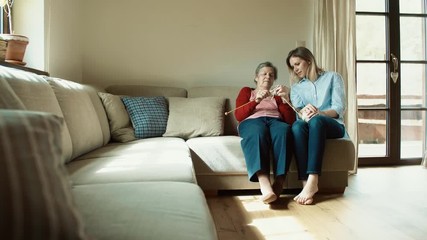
pixel 36 71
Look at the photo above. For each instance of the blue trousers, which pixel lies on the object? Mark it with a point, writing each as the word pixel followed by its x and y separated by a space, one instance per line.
pixel 260 136
pixel 309 141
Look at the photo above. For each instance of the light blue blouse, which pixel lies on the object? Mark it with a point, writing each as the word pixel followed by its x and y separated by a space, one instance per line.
pixel 326 93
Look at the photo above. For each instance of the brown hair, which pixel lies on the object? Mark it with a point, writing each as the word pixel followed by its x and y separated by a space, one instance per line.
pixel 305 54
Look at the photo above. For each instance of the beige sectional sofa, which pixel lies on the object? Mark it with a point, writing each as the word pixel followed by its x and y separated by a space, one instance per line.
pixel 218 160
pixel 151 188
pixel 144 189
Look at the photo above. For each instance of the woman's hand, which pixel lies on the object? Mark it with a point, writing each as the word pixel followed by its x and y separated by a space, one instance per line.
pixel 283 92
pixel 309 111
pixel 261 94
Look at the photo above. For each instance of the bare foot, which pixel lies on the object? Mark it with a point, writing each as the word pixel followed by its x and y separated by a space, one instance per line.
pixel 310 188
pixel 269 198
pixel 268 195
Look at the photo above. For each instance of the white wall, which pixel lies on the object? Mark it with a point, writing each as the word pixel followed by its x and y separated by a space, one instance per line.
pixel 189 42
pixel 63 51
pixel 28 20
pixel 170 43
pixel 53 28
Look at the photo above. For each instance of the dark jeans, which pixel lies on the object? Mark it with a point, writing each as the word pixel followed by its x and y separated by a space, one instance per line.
pixel 259 137
pixel 309 141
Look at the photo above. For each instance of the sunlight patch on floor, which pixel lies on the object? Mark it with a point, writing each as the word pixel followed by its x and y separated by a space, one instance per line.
pixel 253 204
pixel 272 228
pixel 280 227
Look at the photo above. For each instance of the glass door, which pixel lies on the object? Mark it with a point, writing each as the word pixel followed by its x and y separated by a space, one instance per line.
pixel 412 46
pixel 391 74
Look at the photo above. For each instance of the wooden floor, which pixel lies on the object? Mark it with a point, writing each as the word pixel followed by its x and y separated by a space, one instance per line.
pixel 379 203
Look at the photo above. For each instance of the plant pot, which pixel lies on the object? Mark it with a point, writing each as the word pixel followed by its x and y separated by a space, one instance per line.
pixel 15 49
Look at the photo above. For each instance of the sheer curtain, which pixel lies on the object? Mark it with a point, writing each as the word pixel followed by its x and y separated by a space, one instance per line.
pixel 334 46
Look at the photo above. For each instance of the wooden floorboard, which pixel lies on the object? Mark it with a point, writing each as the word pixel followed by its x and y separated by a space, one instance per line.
pixel 379 203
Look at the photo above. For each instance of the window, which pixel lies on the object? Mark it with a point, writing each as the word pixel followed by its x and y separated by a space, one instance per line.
pixel 391 40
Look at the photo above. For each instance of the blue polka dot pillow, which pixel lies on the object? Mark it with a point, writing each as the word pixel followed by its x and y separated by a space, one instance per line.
pixel 149 115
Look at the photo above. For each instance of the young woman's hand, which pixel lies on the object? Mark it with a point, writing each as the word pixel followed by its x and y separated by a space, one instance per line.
pixel 282 91
pixel 309 111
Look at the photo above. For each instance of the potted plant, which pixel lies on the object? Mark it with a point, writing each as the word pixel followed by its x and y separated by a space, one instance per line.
pixel 15 44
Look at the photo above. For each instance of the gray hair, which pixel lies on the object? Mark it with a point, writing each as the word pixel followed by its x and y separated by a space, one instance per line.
pixel 266 64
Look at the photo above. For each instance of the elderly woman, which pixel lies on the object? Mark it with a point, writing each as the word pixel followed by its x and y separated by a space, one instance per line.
pixel 264 125
pixel 319 96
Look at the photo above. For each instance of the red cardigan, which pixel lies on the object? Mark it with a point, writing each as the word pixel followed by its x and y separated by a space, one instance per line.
pixel 288 115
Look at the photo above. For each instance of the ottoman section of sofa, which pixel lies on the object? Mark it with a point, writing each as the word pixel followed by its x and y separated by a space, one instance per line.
pixel 219 163
pixel 145 210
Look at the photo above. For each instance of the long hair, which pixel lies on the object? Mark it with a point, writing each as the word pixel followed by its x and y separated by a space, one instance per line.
pixel 266 64
pixel 313 70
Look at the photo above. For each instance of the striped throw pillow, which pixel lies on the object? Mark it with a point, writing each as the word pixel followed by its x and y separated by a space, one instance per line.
pixel 35 194
pixel 149 115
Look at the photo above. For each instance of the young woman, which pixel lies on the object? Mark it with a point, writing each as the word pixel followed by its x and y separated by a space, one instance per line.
pixel 265 125
pixel 320 98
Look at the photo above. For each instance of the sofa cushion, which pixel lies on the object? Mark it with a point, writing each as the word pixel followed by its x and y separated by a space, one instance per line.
pixel 37 95
pixel 222 154
pixel 195 117
pixel 149 159
pixel 148 115
pixel 229 93
pixel 36 199
pixel 99 110
pixel 8 98
pixel 79 114
pixel 118 118
pixel 146 210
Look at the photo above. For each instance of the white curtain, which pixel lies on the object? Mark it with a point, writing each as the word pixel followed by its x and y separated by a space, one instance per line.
pixel 334 46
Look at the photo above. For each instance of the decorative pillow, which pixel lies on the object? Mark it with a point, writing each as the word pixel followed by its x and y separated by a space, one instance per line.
pixel 149 115
pixel 195 117
pixel 118 118
pixel 35 193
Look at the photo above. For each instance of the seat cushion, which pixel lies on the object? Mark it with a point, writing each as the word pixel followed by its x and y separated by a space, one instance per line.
pixel 147 210
pixel 150 159
pixel 218 155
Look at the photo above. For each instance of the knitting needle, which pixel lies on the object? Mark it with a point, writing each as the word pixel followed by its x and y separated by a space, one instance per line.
pixel 302 116
pixel 290 105
pixel 272 93
pixel 226 113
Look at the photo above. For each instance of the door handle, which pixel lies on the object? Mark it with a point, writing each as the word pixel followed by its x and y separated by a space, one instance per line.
pixel 395 73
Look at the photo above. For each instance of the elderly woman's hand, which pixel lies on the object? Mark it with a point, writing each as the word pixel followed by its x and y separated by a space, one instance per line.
pixel 261 94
